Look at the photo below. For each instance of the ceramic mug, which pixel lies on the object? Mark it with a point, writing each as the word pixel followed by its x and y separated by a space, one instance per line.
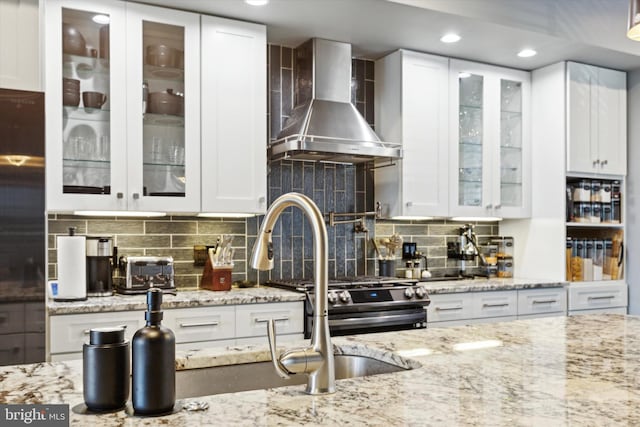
pixel 93 99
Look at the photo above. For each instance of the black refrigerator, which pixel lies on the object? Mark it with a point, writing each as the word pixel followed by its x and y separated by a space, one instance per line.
pixel 22 227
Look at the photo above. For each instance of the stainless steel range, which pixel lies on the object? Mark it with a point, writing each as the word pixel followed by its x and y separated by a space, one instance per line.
pixel 365 304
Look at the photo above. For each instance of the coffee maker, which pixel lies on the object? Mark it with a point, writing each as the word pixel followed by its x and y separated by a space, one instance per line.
pixel 100 261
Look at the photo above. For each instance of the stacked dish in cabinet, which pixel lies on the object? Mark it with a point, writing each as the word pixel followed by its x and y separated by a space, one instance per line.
pixel 594 246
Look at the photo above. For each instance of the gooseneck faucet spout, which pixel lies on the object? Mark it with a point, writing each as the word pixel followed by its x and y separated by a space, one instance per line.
pixel 316 360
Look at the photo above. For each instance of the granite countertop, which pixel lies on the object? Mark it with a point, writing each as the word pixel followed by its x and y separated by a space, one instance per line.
pixel 262 294
pixel 481 285
pixel 579 370
pixel 183 299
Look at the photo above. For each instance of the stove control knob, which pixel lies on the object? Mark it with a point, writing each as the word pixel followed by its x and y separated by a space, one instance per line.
pixel 408 292
pixel 420 292
pixel 344 296
pixel 332 297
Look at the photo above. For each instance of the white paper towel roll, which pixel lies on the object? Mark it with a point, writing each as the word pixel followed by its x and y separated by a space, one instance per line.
pixel 72 268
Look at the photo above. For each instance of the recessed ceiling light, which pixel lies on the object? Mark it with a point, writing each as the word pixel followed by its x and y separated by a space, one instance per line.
pixel 101 19
pixel 527 53
pixel 256 2
pixel 450 38
pixel 464 75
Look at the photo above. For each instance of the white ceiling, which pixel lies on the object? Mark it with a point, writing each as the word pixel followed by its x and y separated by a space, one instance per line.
pixel 493 31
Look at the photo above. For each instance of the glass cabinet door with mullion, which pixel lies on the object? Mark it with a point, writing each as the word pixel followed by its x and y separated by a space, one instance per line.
pixel 85 105
pixel 163 85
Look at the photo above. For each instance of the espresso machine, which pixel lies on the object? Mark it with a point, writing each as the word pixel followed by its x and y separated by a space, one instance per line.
pixel 465 249
pixel 100 261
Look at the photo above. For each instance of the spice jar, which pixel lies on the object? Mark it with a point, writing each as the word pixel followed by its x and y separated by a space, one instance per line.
pixel 605 192
pixel 596 209
pixel 595 191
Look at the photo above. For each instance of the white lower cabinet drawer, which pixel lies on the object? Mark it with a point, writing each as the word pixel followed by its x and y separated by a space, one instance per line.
pixel 70 332
pixel 448 307
pixel 201 323
pixel 251 319
pixel 540 301
pixel 590 297
pixel 495 304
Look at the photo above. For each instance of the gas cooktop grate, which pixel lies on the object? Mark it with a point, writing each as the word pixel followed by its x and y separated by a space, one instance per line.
pixel 350 282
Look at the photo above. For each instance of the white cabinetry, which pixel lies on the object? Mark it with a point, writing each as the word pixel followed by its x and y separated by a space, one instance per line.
pixel 195 328
pixel 20 45
pixel 586 298
pixel 494 306
pixel 234 114
pixel 490 141
pixel 110 154
pixel 412 104
pixel 597 120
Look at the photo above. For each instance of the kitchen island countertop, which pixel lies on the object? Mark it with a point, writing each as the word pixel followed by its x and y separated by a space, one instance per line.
pixel 579 370
pixel 263 294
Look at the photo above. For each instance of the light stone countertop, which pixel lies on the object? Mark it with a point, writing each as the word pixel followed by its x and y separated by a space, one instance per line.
pixel 263 294
pixel 557 371
pixel 183 299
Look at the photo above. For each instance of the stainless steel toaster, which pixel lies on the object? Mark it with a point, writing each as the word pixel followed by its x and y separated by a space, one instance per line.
pixel 136 274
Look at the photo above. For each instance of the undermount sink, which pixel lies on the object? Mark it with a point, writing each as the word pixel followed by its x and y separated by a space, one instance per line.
pixel 261 375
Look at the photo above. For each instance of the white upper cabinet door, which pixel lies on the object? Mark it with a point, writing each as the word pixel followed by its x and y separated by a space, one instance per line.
pixel 597 120
pixel 85 105
pixel 412 108
pixel 163 109
pixel 234 134
pixel 20 66
pixel 612 121
pixel 490 141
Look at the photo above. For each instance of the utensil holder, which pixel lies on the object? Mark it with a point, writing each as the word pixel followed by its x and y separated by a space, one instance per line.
pixel 216 279
pixel 387 267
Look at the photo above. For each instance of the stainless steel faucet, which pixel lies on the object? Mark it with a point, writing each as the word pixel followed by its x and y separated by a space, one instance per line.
pixel 316 360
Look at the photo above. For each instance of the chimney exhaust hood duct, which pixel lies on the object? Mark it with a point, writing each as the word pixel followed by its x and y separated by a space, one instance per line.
pixel 324 125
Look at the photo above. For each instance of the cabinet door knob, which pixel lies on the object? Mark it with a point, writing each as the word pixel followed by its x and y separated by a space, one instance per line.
pixel 596 162
pixel 409 204
pixel 135 196
pixel 119 195
pixel 604 162
pixel 497 206
pixel 488 207
pixel 261 199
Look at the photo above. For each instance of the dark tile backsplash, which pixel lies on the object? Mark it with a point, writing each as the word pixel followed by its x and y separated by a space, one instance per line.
pixel 334 187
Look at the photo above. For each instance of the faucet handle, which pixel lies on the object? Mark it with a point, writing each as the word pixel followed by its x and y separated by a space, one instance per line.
pixel 271 333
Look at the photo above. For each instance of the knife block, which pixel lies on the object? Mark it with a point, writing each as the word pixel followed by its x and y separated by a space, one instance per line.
pixel 216 279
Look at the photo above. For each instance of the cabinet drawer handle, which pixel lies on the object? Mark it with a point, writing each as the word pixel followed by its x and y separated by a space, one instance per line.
pixel 193 325
pixel 86 331
pixel 604 297
pixel 506 304
pixel 448 308
pixel 545 301
pixel 276 319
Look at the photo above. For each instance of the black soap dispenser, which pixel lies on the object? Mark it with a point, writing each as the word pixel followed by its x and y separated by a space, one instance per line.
pixel 153 362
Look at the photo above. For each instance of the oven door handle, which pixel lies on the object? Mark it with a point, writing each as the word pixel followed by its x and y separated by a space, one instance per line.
pixel 378 320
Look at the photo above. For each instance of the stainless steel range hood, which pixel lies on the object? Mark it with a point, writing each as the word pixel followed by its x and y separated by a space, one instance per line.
pixel 324 125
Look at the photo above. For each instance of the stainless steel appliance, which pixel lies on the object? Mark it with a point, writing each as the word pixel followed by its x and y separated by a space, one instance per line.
pixel 365 304
pixel 22 222
pixel 324 125
pixel 101 257
pixel 136 274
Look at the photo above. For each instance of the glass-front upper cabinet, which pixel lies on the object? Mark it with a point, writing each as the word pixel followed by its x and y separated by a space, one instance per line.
pixel 123 107
pixel 163 90
pixel 86 120
pixel 490 149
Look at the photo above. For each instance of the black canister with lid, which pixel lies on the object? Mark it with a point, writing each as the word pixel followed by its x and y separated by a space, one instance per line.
pixel 105 369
